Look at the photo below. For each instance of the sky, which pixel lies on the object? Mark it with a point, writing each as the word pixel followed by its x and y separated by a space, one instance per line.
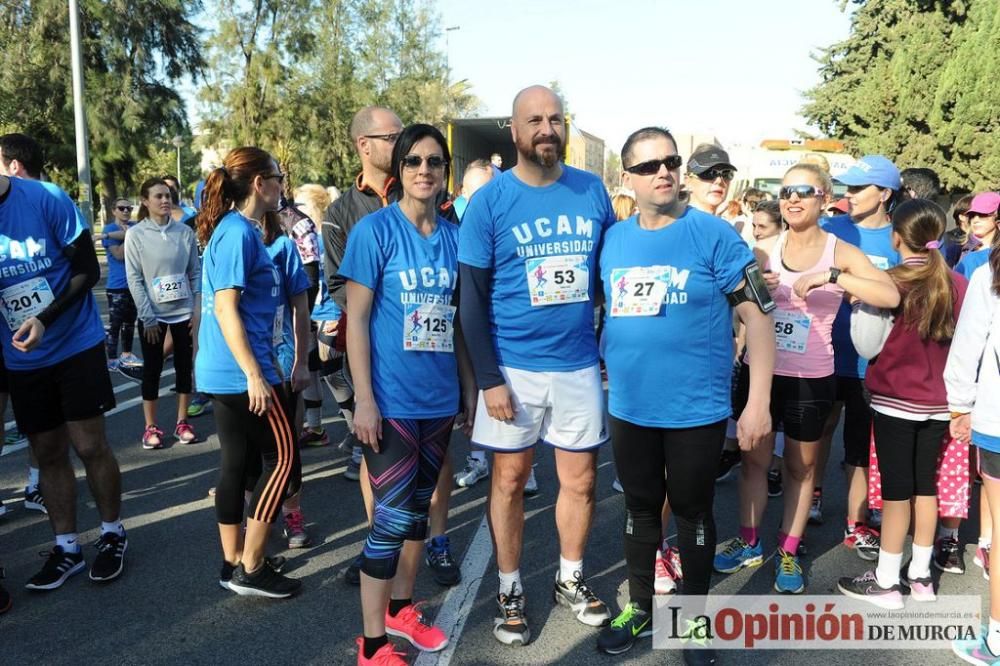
pixel 735 69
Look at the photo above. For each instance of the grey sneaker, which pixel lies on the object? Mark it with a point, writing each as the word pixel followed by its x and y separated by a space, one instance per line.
pixel 475 470
pixel 578 597
pixel 353 471
pixel 510 627
pixel 531 485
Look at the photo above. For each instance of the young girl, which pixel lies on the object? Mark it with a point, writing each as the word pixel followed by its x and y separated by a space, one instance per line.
pixel 982 215
pixel 972 378
pixel 909 401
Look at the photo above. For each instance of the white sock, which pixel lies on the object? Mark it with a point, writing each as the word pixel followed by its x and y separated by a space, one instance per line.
pixel 947 532
pixel 920 565
pixel 114 526
pixel 68 542
pixel 32 477
pixel 509 580
pixel 478 454
pixel 985 541
pixel 993 637
pixel 568 569
pixel 887 571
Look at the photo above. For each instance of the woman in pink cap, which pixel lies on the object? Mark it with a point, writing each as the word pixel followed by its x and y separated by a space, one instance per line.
pixel 982 216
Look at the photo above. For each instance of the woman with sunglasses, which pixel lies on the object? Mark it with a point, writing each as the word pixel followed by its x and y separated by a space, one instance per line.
pixel 241 291
pixel 983 219
pixel 121 306
pixel 401 268
pixel 709 174
pixel 164 276
pixel 809 271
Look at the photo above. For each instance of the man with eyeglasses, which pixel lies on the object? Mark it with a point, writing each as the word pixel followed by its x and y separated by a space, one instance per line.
pixel 528 263
pixel 53 350
pixel 709 173
pixel 374 130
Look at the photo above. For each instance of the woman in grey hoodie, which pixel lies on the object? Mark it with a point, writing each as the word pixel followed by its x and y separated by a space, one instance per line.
pixel 164 275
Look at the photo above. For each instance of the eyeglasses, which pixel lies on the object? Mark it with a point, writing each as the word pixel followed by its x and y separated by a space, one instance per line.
pixel 124 209
pixel 714 174
pixel 652 167
pixel 388 138
pixel 280 177
pixel 414 161
pixel 801 191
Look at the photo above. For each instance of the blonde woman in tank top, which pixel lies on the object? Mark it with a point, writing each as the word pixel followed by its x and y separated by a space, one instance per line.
pixel 809 272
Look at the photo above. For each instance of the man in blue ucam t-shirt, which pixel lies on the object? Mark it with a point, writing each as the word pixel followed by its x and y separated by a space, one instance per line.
pixel 53 349
pixel 528 248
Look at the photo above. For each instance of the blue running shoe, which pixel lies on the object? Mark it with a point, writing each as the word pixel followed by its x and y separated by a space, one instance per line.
pixel 975 651
pixel 788 573
pixel 738 554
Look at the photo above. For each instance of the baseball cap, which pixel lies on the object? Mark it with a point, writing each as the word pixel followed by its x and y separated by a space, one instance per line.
pixel 872 170
pixel 986 203
pixel 707 158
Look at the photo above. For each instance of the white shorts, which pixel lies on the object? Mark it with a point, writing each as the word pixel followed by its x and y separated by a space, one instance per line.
pixel 563 409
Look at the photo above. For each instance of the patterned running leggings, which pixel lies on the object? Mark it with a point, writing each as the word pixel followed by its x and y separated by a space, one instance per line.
pixel 121 320
pixel 403 475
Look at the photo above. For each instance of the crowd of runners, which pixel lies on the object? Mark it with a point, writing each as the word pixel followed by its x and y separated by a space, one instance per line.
pixel 805 309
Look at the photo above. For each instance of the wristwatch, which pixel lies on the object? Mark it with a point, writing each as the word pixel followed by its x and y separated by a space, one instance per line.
pixel 834 275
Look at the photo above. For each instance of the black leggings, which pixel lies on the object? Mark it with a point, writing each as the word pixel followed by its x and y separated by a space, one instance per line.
pixel 152 359
pixel 121 319
pixel 246 441
pixel 857 420
pixel 908 453
pixel 690 457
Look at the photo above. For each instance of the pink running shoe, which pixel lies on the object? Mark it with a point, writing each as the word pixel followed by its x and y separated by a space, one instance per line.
pixel 409 624
pixel 663 581
pixel 185 433
pixel 152 438
pixel 385 656
pixel 982 559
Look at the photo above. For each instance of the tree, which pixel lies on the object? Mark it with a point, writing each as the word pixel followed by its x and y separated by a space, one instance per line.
pixel 612 170
pixel 134 54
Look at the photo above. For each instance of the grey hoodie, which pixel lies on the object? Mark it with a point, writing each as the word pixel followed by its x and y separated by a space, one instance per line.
pixel 163 270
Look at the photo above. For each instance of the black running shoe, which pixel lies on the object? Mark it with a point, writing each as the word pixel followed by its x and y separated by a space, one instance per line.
pixel 59 566
pixel 352 575
pixel 510 627
pixel 265 582
pixel 729 461
pixel 110 560
pixel 131 372
pixel 5 601
pixel 438 559
pixel 949 556
pixel 774 486
pixel 620 635
pixel 277 562
pixel 33 500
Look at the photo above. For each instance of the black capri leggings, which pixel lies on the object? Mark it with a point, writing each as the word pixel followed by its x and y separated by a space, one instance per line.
pixel 152 359
pixel 908 454
pixel 249 442
pixel 690 457
pixel 121 321
pixel 857 420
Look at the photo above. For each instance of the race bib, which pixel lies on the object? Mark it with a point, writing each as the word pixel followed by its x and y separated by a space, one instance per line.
pixel 555 280
pixel 168 288
pixel 25 300
pixel 429 327
pixel 881 263
pixel 791 330
pixel 637 292
pixel 278 328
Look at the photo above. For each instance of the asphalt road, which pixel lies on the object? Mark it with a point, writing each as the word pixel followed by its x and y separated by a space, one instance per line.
pixel 168 608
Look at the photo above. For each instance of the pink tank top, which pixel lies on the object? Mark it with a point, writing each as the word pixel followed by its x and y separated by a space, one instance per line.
pixel 804 328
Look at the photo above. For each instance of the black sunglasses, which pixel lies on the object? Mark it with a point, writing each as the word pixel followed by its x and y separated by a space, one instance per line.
pixel 652 167
pixel 124 209
pixel 714 174
pixel 801 191
pixel 433 162
pixel 280 177
pixel 390 138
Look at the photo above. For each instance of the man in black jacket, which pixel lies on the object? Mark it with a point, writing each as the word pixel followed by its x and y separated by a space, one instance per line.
pixel 374 130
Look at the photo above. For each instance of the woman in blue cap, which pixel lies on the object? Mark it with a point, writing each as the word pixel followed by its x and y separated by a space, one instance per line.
pixel 874 189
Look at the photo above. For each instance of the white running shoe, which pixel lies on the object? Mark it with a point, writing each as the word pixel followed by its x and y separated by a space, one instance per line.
pixel 475 470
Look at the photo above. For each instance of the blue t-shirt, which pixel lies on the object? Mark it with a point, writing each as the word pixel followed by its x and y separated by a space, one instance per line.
pixel 971 261
pixel 877 245
pixel 294 281
pixel 460 204
pixel 116 267
pixel 387 254
pixel 235 258
pixel 671 369
pixel 553 233
pixel 37 222
pixel 325 308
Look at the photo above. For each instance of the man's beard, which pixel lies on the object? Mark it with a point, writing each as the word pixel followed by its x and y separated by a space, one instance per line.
pixel 546 159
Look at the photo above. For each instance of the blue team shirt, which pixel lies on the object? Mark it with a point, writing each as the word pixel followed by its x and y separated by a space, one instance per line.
pixel 325 308
pixel 673 369
pixel 294 281
pixel 508 227
pixel 877 245
pixel 971 261
pixel 37 222
pixel 116 267
pixel 387 254
pixel 236 258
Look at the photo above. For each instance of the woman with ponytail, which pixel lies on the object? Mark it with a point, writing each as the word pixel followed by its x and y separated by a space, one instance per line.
pixel 972 377
pixel 241 292
pixel 909 401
